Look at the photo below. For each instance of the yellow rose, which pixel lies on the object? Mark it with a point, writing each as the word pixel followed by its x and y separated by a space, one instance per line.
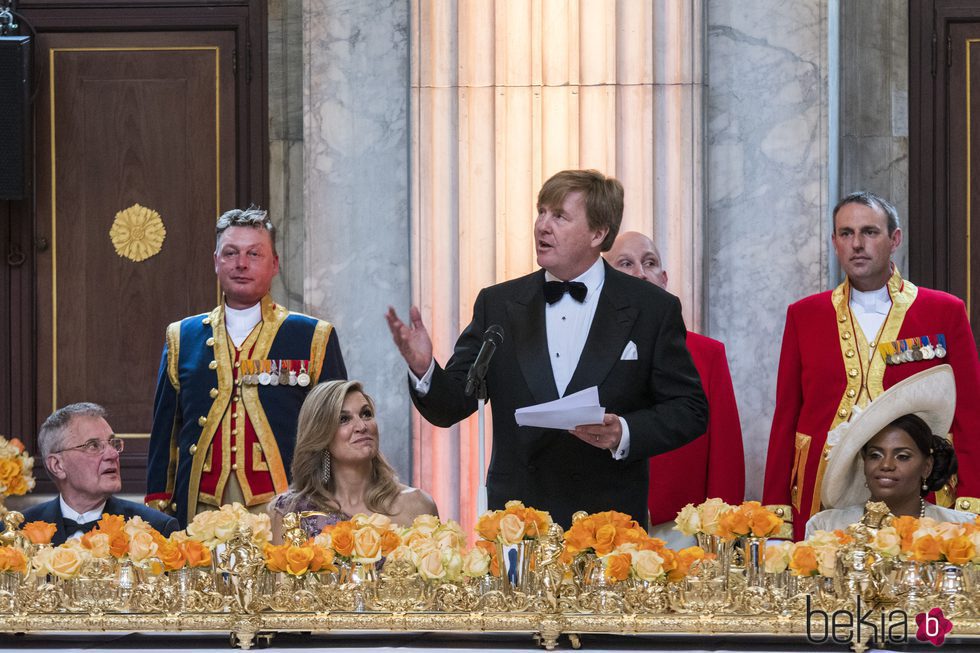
pixel 298 559
pixel 448 538
pixel 97 544
pixel 777 557
pixel 142 546
pixel 367 545
pixel 453 563
pixel 688 520
pixel 511 529
pixel 420 548
pixel 430 565
pixel 709 513
pixel 959 550
pixel 400 553
pixel 426 523
pixel 225 525
pixel 136 525
pixel 275 557
pixel 201 528
pixel 66 562
pixel 261 527
pixel 887 542
pixel 647 565
pixel 827 560
pixel 476 563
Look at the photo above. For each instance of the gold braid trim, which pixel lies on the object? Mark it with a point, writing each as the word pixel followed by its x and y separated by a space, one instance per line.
pixel 318 348
pixel 968 504
pixel 173 354
pixel 218 406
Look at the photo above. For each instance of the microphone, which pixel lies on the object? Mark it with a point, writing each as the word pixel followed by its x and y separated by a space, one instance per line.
pixel 492 338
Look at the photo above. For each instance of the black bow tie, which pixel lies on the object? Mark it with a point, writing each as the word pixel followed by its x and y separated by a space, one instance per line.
pixel 553 290
pixel 71 526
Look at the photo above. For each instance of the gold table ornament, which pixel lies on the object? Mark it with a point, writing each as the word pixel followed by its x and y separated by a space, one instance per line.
pixel 137 233
pixel 238 595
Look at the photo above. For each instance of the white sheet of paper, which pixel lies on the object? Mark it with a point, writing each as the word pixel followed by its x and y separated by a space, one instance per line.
pixel 566 413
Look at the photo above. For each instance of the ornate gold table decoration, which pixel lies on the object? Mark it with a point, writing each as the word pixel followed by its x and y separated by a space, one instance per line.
pixel 604 576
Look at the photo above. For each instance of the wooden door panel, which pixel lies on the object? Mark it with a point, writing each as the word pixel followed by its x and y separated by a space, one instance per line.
pixel 128 120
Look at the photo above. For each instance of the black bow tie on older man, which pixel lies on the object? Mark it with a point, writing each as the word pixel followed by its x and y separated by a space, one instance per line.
pixel 71 526
pixel 554 290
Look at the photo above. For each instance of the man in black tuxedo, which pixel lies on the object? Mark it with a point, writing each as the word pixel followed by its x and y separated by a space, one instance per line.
pixel 81 454
pixel 574 324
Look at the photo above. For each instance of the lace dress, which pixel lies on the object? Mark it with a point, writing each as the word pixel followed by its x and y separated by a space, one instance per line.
pixel 313 524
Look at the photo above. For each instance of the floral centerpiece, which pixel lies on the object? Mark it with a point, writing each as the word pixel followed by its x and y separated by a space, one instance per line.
pixel 516 529
pixel 16 470
pixel 748 519
pixel 214 527
pixel 701 521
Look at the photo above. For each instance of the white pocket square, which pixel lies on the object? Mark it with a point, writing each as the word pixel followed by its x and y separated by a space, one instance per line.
pixel 629 353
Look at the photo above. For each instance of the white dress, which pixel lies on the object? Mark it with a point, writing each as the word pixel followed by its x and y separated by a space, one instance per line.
pixel 841 518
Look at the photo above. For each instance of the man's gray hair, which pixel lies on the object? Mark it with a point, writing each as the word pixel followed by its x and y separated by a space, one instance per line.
pixel 253 217
pixel 52 434
pixel 869 199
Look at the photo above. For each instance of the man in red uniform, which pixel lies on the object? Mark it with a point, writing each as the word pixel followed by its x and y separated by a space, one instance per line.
pixel 844 347
pixel 712 465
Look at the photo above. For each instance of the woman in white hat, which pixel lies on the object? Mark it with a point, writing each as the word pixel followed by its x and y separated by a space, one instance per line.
pixel 896 451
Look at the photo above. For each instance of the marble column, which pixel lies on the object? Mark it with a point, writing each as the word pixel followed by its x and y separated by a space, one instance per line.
pixel 356 149
pixel 767 232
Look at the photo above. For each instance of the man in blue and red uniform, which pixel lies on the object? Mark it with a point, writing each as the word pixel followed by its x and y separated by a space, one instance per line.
pixel 844 347
pixel 232 381
pixel 712 466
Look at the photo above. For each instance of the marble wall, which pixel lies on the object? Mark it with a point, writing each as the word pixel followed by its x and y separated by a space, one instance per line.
pixel 767 233
pixel 356 158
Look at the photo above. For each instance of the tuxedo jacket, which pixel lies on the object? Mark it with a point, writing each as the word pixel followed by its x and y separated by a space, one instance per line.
pixel 825 371
pixel 713 465
pixel 657 392
pixel 50 511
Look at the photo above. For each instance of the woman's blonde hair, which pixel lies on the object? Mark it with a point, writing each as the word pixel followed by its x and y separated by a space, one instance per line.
pixel 319 419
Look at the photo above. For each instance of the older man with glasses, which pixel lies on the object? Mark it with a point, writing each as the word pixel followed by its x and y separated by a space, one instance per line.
pixel 81 454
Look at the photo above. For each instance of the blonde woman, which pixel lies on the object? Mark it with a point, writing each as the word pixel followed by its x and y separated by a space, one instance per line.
pixel 338 468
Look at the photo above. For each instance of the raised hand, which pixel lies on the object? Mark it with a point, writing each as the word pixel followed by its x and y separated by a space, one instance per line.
pixel 413 340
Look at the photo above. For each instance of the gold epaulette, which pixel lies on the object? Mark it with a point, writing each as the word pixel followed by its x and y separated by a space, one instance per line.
pixel 785 513
pixel 159 504
pixel 968 504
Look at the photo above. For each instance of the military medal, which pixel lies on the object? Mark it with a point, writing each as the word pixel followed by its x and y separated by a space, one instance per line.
pixel 283 372
pixel 274 375
pixel 303 379
pixel 292 374
pixel 917 349
pixel 928 352
pixel 264 377
pixel 941 346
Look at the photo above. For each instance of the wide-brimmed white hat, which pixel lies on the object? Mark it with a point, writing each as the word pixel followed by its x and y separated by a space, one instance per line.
pixel 930 394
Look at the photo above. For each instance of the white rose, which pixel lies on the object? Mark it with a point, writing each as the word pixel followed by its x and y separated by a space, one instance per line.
pixel 887 542
pixel 647 565
pixel 709 512
pixel 777 556
pixel 688 520
pixel 476 563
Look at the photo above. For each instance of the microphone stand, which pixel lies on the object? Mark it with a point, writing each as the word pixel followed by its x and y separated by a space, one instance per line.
pixel 481 396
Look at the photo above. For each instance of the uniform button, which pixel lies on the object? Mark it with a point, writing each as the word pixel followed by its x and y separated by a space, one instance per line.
pixel 193 449
pixel 234 466
pixel 846 336
pixel 779 512
pixel 209 342
pixel 842 412
pixel 850 353
pixel 173 506
pixel 238 364
pixel 202 420
pixel 872 344
pixel 964 504
pixel 852 373
pixel 206 320
pixel 237 398
pixel 234 414
pixel 826 455
pixel 234 448
pixel 852 393
pixel 213 365
pixel 234 431
pixel 842 318
pixel 213 393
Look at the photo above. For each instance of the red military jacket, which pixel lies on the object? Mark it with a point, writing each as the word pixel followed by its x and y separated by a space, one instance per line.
pixel 713 465
pixel 825 370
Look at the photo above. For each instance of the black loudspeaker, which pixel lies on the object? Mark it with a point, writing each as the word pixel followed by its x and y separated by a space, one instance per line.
pixel 15 84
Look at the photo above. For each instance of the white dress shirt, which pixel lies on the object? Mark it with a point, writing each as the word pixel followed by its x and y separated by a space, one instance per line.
pixel 870 310
pixel 567 324
pixel 67 512
pixel 240 322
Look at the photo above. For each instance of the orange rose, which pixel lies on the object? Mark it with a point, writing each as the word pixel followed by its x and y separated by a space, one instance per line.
pixel 765 523
pixel 322 558
pixel 537 521
pixel 171 556
pixel 39 532
pixel 275 557
pixel 905 526
pixel 605 539
pixel 196 554
pixel 685 558
pixel 298 559
pixel 111 524
pixel 488 525
pixel 803 560
pixel 629 536
pixel 959 550
pixel 491 550
pixel 97 543
pixel 342 539
pixel 118 544
pixel 389 542
pixel 12 559
pixel 580 537
pixel 925 549
pixel 733 523
pixel 617 566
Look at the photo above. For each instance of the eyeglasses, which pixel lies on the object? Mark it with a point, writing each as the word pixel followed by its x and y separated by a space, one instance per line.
pixel 96 446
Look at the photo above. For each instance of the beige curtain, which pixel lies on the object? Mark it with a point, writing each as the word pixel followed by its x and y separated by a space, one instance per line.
pixel 504 94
